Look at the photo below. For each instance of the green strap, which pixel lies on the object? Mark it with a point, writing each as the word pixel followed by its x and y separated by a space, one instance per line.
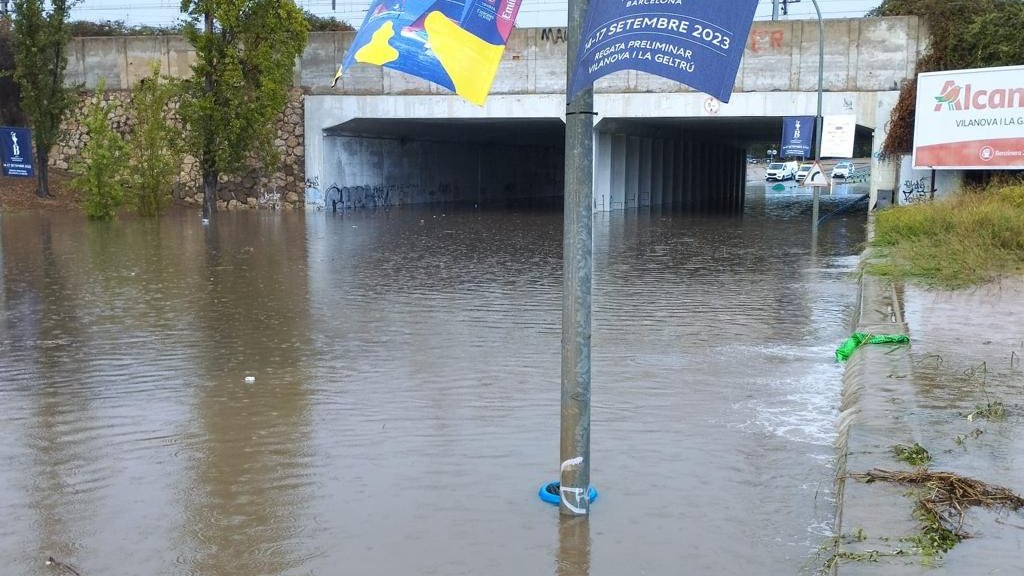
pixel 857 339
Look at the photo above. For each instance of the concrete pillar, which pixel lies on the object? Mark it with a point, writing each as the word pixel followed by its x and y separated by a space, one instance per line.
pixel 737 177
pixel 677 174
pixel 884 175
pixel 632 172
pixel 692 174
pixel 700 167
pixel 716 177
pixel 741 183
pixel 657 172
pixel 620 147
pixel 602 171
pixel 669 175
pixel 644 195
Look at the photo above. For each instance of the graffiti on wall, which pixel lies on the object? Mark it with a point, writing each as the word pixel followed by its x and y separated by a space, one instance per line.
pixel 554 35
pixel 765 39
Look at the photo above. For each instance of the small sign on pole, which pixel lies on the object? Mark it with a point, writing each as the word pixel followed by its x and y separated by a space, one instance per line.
pixel 837 135
pixel 797 136
pixel 816 178
pixel 16 144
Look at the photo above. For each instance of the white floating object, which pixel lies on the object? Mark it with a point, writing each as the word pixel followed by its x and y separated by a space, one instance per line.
pixel 250 379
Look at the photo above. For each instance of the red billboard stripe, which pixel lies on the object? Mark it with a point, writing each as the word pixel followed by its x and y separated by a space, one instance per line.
pixel 998 153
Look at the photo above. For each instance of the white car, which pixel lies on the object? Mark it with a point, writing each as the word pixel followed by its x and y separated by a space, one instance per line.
pixel 780 171
pixel 843 170
pixel 803 171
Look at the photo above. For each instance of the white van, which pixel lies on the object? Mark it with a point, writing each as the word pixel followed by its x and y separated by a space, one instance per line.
pixel 780 171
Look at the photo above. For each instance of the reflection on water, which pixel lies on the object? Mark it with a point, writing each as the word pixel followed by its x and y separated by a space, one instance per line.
pixel 405 403
pixel 573 546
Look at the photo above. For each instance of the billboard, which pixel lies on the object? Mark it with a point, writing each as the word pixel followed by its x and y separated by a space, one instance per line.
pixel 797 134
pixel 970 119
pixel 16 145
pixel 837 135
pixel 698 42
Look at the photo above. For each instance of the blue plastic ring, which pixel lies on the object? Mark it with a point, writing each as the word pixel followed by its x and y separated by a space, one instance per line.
pixel 556 498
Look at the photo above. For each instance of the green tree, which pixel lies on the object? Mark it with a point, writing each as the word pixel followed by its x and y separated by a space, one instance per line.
pixel 245 51
pixel 40 52
pixel 103 162
pixel 10 94
pixel 964 34
pixel 155 149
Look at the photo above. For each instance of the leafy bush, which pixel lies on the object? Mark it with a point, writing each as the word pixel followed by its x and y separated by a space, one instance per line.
pixel 103 162
pixel 155 145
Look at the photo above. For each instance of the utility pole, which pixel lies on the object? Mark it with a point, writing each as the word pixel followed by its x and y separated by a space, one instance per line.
pixel 577 275
pixel 775 9
pixel 817 117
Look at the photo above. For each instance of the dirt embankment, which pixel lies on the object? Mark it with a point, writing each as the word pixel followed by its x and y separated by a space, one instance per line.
pixel 18 194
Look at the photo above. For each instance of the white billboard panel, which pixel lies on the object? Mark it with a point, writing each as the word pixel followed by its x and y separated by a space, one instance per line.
pixel 837 132
pixel 971 119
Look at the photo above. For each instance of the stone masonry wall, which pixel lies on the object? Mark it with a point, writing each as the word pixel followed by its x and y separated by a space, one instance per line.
pixel 283 188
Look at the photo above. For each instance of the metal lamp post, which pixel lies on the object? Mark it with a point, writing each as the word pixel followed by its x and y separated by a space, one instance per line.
pixel 577 276
pixel 817 116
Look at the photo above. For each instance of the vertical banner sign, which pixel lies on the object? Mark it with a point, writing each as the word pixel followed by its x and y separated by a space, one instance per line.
pixel 454 43
pixel 16 144
pixel 837 134
pixel 797 133
pixel 696 42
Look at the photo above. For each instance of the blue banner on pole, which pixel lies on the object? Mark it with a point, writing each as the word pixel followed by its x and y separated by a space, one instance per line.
pixel 797 134
pixel 696 42
pixel 16 144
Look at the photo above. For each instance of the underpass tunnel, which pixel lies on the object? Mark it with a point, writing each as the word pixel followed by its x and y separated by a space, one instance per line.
pixel 387 162
pixel 688 164
pixel 693 164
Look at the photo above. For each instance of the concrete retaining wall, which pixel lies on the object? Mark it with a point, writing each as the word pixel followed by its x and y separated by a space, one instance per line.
pixel 861 54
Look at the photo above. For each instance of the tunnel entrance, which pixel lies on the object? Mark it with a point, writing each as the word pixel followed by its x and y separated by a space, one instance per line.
pixel 389 162
pixel 695 164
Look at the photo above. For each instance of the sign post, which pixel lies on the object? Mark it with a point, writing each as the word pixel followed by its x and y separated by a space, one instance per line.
pixel 16 144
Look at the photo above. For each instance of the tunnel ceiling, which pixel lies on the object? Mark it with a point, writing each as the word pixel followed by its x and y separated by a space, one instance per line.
pixel 741 131
pixel 525 131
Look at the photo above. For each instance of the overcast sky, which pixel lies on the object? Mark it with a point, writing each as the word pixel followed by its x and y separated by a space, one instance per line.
pixel 533 13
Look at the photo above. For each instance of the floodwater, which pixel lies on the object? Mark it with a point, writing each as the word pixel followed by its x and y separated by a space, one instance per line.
pixel 405 403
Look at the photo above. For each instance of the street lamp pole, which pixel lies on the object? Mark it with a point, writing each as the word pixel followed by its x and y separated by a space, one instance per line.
pixel 577 275
pixel 817 116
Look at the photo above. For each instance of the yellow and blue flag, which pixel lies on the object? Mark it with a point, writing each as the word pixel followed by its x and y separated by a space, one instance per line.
pixel 453 43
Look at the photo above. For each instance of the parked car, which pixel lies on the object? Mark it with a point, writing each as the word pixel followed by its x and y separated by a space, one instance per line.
pixel 780 171
pixel 803 171
pixel 843 170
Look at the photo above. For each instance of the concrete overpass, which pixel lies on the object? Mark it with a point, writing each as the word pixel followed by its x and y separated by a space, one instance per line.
pixel 382 137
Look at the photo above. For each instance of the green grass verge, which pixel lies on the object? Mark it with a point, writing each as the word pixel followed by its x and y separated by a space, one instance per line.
pixel 970 239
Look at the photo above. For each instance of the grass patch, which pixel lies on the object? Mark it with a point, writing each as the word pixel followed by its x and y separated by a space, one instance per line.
pixel 915 455
pixel 970 239
pixel 992 411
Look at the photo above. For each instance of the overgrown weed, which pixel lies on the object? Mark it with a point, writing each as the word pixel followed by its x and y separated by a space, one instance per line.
pixel 967 240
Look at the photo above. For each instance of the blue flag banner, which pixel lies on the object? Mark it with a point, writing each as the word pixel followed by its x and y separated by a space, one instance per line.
pixel 696 42
pixel 797 135
pixel 454 43
pixel 16 144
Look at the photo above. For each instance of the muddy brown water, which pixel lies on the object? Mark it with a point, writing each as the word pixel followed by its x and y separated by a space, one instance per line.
pixel 405 404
